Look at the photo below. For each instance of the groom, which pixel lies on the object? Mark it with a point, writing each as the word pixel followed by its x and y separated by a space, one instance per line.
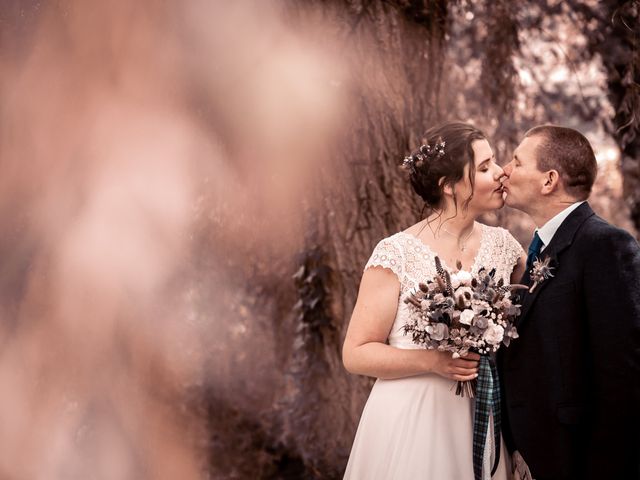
pixel 571 382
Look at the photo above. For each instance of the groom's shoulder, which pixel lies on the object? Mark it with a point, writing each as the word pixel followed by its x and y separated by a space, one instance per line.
pixel 598 228
pixel 597 232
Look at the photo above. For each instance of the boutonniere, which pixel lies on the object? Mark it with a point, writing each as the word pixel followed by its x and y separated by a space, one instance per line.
pixel 540 271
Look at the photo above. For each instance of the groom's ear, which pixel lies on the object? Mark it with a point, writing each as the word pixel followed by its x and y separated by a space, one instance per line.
pixel 551 182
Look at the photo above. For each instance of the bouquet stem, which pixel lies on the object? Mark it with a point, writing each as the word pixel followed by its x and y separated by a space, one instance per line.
pixel 466 388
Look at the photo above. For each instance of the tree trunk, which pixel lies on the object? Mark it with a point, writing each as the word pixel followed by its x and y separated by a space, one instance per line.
pixel 617 41
pixel 395 50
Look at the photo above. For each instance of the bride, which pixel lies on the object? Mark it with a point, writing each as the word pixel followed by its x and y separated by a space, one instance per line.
pixel 413 425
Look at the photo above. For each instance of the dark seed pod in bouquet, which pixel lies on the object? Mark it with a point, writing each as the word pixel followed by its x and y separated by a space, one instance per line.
pixel 439 268
pixel 447 279
pixel 413 301
pixel 491 295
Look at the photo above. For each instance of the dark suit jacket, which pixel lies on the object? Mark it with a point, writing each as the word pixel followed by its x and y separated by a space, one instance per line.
pixel 571 382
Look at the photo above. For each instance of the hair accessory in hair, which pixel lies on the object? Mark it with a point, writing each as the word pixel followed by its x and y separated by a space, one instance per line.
pixel 425 152
pixel 439 148
pixel 409 163
pixel 436 150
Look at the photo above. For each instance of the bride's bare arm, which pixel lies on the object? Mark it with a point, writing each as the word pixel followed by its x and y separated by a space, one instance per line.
pixel 365 351
pixel 519 269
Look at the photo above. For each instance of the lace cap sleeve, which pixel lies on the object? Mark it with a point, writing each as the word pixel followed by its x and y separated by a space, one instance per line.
pixel 387 254
pixel 513 249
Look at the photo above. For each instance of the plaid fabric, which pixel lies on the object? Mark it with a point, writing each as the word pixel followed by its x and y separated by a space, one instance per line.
pixel 487 402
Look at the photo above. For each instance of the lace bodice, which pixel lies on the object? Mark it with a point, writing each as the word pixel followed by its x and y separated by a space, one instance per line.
pixel 413 262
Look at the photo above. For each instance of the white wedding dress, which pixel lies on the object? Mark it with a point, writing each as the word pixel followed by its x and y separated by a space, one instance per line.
pixel 416 427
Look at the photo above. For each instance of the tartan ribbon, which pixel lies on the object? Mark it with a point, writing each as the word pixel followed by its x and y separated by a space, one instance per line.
pixel 487 401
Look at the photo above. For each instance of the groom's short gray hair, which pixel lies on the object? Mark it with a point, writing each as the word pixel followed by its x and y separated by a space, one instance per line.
pixel 569 152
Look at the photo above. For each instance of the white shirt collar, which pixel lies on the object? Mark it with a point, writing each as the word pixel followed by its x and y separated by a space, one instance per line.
pixel 549 229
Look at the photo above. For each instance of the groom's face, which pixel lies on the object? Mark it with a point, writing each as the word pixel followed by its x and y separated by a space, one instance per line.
pixel 524 181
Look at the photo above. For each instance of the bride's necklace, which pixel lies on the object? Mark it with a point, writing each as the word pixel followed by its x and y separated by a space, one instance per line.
pixel 462 243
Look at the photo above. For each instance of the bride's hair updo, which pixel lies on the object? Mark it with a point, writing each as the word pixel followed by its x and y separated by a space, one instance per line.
pixel 445 151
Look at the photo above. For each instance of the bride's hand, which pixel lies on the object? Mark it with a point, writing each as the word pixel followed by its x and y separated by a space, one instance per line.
pixel 460 369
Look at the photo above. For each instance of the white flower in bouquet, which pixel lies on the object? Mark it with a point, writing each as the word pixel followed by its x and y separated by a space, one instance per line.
pixel 464 277
pixel 466 316
pixel 438 332
pixel 493 334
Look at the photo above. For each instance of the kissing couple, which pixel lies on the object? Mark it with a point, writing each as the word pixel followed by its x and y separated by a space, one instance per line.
pixel 569 386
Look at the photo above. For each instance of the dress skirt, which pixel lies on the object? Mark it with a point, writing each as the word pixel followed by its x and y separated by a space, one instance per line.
pixel 417 428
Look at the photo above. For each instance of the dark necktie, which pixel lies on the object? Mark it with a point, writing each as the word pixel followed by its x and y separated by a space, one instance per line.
pixel 534 250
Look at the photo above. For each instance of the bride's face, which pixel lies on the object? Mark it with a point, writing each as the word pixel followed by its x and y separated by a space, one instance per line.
pixel 487 189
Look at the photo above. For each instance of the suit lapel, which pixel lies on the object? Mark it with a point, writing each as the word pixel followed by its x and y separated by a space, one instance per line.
pixel 560 241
